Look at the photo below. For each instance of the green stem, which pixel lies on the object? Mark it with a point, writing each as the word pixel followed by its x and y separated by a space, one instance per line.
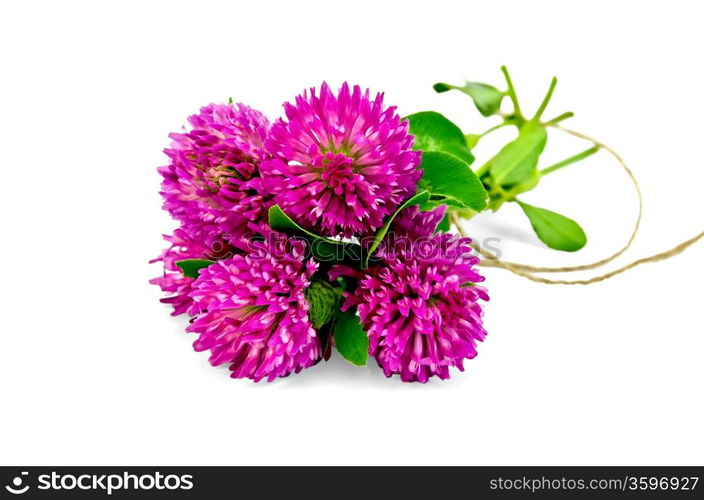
pixel 475 138
pixel 546 99
pixel 559 118
pixel 482 170
pixel 569 161
pixel 511 92
pixel 490 130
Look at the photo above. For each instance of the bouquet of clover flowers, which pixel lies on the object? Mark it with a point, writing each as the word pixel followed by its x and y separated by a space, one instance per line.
pixel 331 228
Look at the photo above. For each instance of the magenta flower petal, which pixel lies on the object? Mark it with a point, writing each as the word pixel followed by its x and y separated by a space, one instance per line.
pixel 340 163
pixel 208 185
pixel 173 281
pixel 252 313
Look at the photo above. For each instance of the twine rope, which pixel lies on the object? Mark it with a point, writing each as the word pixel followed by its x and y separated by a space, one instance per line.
pixel 529 271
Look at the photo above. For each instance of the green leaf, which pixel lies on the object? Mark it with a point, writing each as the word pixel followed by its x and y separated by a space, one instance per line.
pixel 461 151
pixel 279 221
pixel 463 213
pixel 417 199
pixel 324 249
pixel 555 230
pixel 519 158
pixel 433 132
pixel 190 267
pixel 486 98
pixel 472 140
pixel 324 302
pixel 450 181
pixel 527 184
pixel 444 225
pixel 351 341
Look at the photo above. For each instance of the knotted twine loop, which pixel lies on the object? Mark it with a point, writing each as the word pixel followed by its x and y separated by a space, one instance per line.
pixel 528 271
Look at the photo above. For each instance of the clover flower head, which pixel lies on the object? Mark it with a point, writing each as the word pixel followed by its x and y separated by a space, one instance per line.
pixel 420 304
pixel 252 313
pixel 340 162
pixel 209 183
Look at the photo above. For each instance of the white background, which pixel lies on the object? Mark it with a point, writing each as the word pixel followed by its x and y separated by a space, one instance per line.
pixel 93 370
